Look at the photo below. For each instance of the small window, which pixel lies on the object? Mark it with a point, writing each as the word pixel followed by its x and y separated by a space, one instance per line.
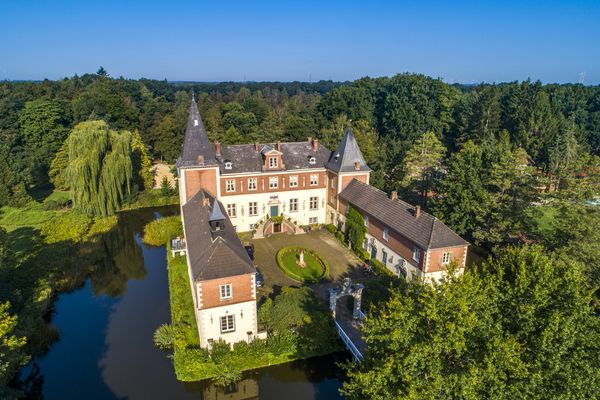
pixel 314 180
pixel 225 291
pixel 252 227
pixel 331 201
pixel 253 208
pixel 228 164
pixel 386 233
pixel 273 162
pixel 446 257
pixel 195 122
pixel 230 185
pixel 228 323
pixel 416 253
pixel 314 203
pixel 313 220
pixel 312 160
pixel 252 183
pixel 366 218
pixel 273 182
pixel 293 205
pixel 293 181
pixel 232 210
pixel 333 183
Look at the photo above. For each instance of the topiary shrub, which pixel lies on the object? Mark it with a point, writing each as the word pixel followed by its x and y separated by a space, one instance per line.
pixel 331 228
pixel 161 230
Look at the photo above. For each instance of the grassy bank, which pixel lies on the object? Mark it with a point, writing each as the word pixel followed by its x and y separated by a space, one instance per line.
pixel 313 335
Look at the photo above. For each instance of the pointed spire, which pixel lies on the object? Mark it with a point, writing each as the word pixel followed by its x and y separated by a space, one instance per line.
pixel 197 149
pixel 347 157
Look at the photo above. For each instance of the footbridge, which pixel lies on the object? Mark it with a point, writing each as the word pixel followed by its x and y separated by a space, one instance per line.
pixel 348 324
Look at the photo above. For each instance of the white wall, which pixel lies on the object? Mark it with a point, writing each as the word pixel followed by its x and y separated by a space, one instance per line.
pixel 396 258
pixel 242 220
pixel 209 323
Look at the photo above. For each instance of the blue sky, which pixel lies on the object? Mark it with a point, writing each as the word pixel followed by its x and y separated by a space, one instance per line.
pixel 459 41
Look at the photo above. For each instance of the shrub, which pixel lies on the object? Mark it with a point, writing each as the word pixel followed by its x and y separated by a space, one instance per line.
pixel 340 237
pixel 220 351
pixel 68 226
pixel 379 267
pixel 160 231
pixel 331 228
pixel 164 337
pixel 227 374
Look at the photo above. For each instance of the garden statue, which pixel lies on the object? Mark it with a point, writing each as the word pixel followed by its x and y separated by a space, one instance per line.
pixel 301 262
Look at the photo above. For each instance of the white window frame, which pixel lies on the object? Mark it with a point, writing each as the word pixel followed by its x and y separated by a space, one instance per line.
pixel 446 258
pixel 232 210
pixel 227 323
pixel 386 233
pixel 273 162
pixel 312 160
pixel 366 219
pixel 313 220
pixel 293 181
pixel 314 179
pixel 293 205
pixel 230 185
pixel 333 183
pixel 316 203
pixel 416 253
pixel 225 291
pixel 273 182
pixel 253 209
pixel 228 164
pixel 252 183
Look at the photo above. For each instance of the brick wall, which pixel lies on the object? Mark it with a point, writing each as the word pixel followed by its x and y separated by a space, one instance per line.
pixel 242 288
pixel 196 179
pixel 262 185
pixel 459 254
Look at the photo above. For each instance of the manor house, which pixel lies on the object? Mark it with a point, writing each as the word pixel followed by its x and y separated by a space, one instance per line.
pixel 268 188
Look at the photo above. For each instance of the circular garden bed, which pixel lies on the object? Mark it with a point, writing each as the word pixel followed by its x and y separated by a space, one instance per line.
pixel 313 270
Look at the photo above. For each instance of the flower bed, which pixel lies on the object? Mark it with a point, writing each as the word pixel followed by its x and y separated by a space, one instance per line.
pixel 315 267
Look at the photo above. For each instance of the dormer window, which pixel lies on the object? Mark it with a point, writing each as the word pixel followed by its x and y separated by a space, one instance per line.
pixel 228 164
pixel 195 122
pixel 337 155
pixel 273 162
pixel 312 160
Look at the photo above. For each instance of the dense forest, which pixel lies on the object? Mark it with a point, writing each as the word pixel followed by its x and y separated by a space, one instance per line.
pixel 476 156
pixel 501 164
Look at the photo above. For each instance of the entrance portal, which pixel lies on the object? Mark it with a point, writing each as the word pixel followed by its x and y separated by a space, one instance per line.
pixel 274 211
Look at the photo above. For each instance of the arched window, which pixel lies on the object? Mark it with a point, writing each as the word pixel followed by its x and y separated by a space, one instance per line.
pixel 228 164
pixel 312 160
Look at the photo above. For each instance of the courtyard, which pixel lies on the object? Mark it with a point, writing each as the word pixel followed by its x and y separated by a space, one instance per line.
pixel 342 261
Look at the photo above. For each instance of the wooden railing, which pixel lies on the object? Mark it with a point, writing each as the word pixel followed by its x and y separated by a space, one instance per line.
pixel 356 354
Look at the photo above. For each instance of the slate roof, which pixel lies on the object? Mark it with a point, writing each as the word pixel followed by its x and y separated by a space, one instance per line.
pixel 347 153
pixel 212 255
pixel 195 142
pixel 426 231
pixel 295 155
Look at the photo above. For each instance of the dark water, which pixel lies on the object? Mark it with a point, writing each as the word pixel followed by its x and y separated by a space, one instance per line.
pixel 106 351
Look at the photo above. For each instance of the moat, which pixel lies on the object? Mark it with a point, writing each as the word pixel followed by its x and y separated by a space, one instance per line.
pixel 105 350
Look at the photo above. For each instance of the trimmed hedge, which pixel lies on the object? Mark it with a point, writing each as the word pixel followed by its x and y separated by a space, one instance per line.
pixel 283 251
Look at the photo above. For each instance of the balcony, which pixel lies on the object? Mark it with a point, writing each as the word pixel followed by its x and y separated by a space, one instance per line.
pixel 178 247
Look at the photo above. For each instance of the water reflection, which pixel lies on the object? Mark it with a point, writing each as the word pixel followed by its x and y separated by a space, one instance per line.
pixel 106 351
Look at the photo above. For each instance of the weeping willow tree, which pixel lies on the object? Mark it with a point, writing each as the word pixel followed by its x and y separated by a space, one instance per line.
pixel 100 168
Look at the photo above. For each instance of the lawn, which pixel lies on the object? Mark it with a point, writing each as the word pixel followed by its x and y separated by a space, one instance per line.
pixel 33 214
pixel 314 270
pixel 542 219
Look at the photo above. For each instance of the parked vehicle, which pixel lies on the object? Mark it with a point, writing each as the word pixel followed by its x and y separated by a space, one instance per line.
pixel 250 250
pixel 260 280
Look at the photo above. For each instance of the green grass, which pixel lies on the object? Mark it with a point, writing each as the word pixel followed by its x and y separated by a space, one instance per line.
pixel 316 268
pixel 33 214
pixel 542 218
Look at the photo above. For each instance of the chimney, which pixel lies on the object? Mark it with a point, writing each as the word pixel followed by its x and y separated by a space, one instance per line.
pixel 218 149
pixel 417 211
pixel 357 165
pixel 255 146
pixel 278 145
pixel 394 195
pixel 315 144
pixel 200 160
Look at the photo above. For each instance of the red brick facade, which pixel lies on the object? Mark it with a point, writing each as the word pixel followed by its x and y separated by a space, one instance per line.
pixel 242 290
pixel 262 183
pixel 196 179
